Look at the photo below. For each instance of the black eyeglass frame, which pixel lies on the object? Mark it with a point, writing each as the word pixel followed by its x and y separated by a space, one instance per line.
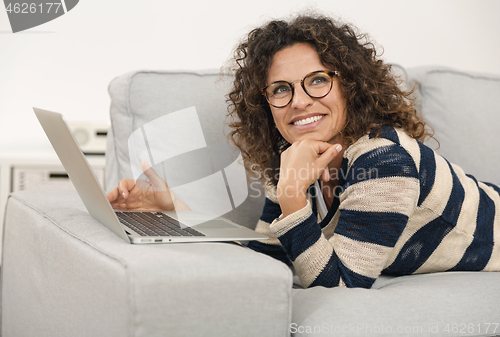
pixel 330 73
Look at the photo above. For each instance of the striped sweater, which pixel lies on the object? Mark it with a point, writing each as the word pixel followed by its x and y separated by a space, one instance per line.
pixel 401 209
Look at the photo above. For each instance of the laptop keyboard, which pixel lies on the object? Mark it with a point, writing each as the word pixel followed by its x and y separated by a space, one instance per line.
pixel 154 224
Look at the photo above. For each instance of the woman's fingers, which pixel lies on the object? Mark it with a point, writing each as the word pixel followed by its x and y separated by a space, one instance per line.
pixel 124 187
pixel 121 191
pixel 113 194
pixel 301 165
pixel 156 181
pixel 325 158
pixel 152 193
pixel 117 196
pixel 306 161
pixel 321 147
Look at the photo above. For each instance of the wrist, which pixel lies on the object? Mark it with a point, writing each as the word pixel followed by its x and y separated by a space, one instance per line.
pixel 290 207
pixel 291 201
pixel 290 190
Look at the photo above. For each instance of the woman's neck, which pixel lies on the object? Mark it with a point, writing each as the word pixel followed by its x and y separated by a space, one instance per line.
pixel 328 191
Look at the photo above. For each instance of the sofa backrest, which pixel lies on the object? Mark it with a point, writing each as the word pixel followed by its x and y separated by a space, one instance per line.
pixel 140 98
pixel 464 110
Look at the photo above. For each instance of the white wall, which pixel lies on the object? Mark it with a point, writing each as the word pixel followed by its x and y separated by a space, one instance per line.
pixel 66 64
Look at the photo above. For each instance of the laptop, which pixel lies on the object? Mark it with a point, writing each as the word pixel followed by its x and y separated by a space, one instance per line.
pixel 141 227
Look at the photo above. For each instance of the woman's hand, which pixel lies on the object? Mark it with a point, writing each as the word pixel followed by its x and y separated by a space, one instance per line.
pixel 302 164
pixel 145 195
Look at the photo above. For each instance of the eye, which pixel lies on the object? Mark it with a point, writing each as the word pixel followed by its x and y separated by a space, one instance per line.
pixel 280 89
pixel 319 80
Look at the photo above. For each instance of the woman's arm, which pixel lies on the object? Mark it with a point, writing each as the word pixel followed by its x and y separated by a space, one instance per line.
pixel 271 246
pixel 307 159
pixel 374 209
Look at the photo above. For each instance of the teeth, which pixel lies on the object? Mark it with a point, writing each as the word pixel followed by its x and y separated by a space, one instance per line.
pixel 307 120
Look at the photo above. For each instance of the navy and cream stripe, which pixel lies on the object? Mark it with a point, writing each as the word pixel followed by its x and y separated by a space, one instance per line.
pixel 403 209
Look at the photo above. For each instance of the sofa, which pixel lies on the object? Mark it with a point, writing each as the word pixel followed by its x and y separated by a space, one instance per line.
pixel 65 274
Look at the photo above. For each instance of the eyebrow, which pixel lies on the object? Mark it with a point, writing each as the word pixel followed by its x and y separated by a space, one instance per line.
pixel 271 82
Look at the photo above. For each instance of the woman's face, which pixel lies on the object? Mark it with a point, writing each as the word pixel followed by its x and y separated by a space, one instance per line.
pixel 290 64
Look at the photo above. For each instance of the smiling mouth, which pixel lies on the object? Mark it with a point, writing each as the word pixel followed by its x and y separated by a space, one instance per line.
pixel 308 120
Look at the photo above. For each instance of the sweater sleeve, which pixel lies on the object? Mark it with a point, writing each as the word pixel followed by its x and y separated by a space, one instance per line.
pixel 271 246
pixel 379 192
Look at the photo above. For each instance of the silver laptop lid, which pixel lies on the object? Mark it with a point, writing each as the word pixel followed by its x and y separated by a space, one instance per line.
pixel 79 170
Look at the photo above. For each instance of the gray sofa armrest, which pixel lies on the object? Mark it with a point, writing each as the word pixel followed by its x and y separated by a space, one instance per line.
pixel 65 274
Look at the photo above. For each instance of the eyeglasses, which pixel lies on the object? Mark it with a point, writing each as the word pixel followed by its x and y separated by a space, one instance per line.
pixel 316 84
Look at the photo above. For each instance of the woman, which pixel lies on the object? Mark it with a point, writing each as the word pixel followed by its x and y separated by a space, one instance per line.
pixel 351 190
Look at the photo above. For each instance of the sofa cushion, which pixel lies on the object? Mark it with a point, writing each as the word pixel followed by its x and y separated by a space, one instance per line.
pixel 141 99
pixel 464 110
pixel 440 304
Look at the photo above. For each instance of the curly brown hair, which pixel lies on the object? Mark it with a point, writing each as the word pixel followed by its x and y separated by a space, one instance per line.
pixel 373 95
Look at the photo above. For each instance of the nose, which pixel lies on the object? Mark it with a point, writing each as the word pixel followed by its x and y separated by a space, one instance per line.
pixel 301 100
